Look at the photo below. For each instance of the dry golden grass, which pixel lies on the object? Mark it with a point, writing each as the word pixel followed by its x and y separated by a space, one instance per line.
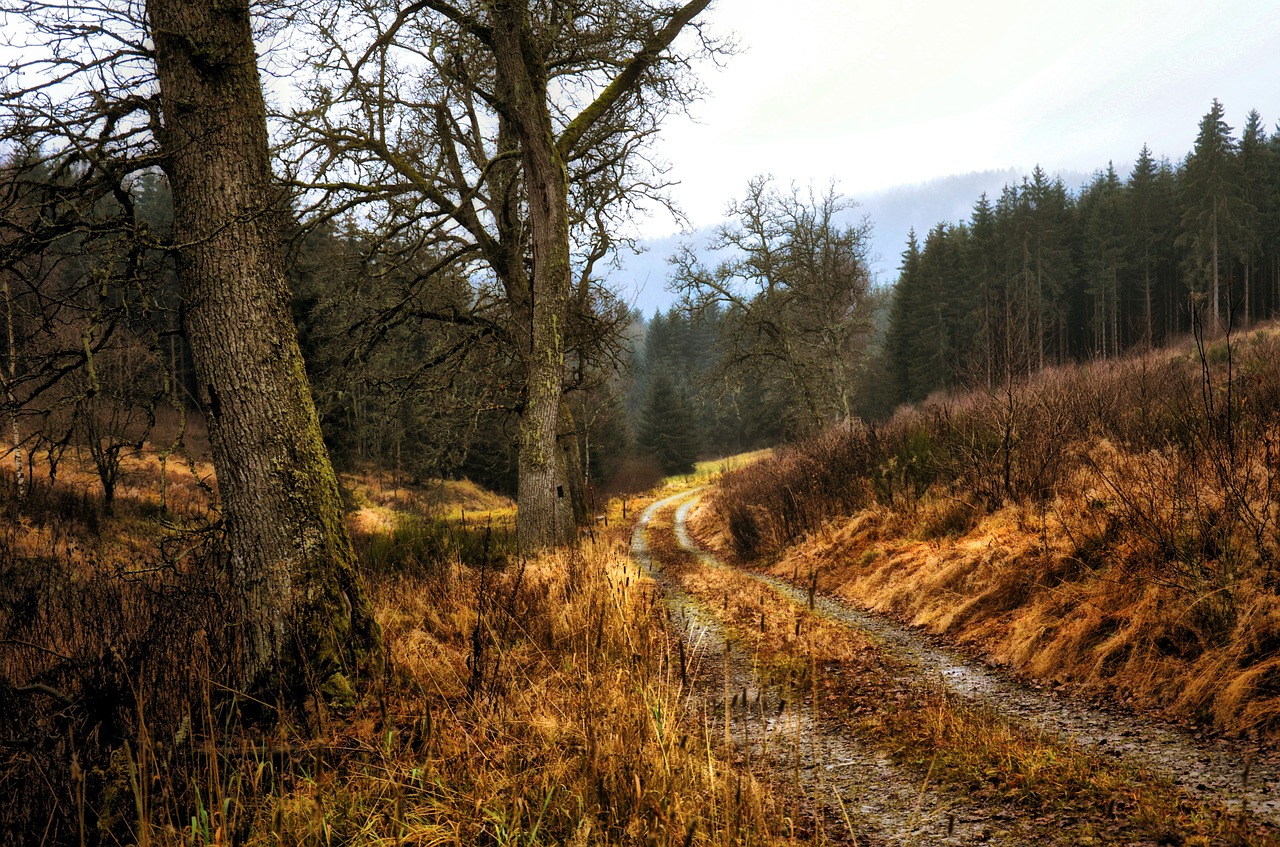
pixel 67 519
pixel 1012 584
pixel 445 498
pixel 571 732
pixel 391 518
pixel 531 702
pixel 965 746
pixel 1113 527
pixel 708 471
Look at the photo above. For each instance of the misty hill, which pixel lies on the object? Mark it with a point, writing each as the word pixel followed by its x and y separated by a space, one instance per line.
pixel 642 278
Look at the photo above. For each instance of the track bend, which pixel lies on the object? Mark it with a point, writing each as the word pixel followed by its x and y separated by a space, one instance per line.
pixel 863 797
pixel 1228 772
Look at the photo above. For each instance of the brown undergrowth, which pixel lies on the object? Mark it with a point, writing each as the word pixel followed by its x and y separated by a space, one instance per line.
pixel 530 706
pixel 528 702
pixel 1032 785
pixel 1114 528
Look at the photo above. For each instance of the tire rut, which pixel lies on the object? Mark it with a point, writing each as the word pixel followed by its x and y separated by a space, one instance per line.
pixel 1228 772
pixel 781 741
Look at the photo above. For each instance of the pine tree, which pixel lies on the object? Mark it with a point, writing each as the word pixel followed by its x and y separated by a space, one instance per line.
pixel 945 323
pixel 981 265
pixel 667 429
pixel 1269 210
pixel 1100 210
pixel 1214 208
pixel 1142 238
pixel 902 336
pixel 1254 165
pixel 1048 268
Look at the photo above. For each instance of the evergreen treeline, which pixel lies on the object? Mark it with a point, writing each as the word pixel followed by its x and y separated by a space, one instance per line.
pixel 413 376
pixel 1045 276
pixel 681 401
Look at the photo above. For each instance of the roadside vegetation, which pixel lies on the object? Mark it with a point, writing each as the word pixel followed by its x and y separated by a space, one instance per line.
pixel 527 701
pixel 1112 527
pixel 1031 786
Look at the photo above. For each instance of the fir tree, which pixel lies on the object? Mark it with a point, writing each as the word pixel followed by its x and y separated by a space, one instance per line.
pixel 668 431
pixel 1214 208
pixel 1255 155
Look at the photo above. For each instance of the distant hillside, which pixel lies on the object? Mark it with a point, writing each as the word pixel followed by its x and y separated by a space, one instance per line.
pixel 642 278
pixel 895 211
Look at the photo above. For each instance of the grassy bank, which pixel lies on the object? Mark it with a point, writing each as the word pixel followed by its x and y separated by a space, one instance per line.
pixel 1032 787
pixel 527 702
pixel 1113 527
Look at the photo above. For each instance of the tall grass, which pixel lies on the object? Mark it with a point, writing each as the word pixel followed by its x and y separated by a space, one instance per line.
pixel 105 668
pixel 535 705
pixel 823 665
pixel 1149 484
pixel 527 701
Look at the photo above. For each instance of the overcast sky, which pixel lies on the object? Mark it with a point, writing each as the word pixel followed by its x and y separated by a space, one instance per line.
pixel 878 94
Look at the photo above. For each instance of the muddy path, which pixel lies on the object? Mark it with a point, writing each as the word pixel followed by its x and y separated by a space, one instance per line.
pixel 836 787
pixel 1239 775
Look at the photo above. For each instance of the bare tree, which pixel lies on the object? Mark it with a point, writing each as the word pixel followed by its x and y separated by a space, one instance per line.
pixel 509 135
pixel 115 398
pixel 7 378
pixel 795 286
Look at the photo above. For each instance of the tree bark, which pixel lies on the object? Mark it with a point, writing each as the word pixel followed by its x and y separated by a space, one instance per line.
pixel 571 446
pixel 545 515
pixel 305 623
pixel 10 398
pixel 1217 320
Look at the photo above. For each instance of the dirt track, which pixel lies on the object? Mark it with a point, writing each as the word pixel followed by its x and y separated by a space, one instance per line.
pixel 876 801
pixel 858 792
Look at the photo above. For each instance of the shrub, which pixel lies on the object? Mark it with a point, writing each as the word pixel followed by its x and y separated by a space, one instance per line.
pixel 1189 470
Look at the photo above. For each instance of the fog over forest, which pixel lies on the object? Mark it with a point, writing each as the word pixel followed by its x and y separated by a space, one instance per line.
pixel 641 278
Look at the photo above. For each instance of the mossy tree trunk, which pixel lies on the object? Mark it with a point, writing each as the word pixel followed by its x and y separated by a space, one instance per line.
pixel 305 623
pixel 545 507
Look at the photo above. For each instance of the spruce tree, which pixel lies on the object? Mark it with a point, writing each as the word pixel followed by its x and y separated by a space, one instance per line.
pixel 668 431
pixel 1254 165
pixel 902 336
pixel 1214 207
pixel 1142 238
pixel 981 271
pixel 1100 212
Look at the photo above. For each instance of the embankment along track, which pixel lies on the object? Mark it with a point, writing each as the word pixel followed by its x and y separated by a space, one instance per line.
pixel 789 744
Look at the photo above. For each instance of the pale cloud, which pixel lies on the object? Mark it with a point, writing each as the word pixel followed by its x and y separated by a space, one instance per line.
pixel 882 94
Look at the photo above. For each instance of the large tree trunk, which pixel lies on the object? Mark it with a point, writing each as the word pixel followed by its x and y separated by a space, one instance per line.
pixel 545 509
pixel 305 621
pixel 10 397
